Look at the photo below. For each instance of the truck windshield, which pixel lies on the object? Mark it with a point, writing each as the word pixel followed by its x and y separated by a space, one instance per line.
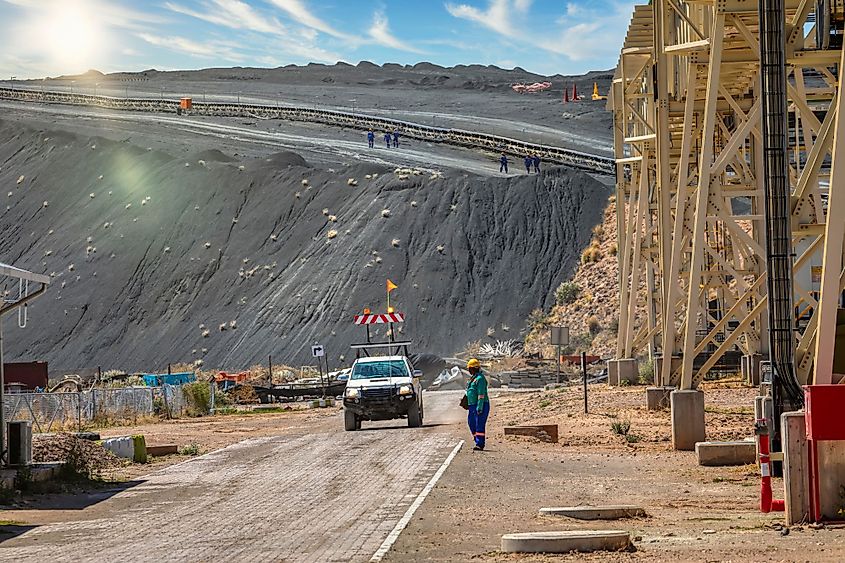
pixel 372 370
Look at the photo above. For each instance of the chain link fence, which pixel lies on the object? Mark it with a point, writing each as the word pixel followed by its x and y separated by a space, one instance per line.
pixel 49 412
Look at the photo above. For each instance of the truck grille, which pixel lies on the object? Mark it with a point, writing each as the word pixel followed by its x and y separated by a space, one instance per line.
pixel 378 393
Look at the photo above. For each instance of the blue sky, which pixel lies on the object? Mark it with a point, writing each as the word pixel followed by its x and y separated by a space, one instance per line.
pixel 51 37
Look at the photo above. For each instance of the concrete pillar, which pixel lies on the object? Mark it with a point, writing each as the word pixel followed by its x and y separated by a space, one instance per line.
pixel 796 470
pixel 658 367
pixel 627 369
pixel 687 419
pixel 657 398
pixel 750 367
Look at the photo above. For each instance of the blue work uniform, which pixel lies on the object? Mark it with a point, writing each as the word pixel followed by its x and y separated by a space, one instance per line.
pixel 371 138
pixel 503 164
pixel 387 139
pixel 479 408
pixel 536 164
pixel 528 162
pixel 396 139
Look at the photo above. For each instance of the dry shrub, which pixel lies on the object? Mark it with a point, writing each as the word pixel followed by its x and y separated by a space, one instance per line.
pixel 593 325
pixel 613 250
pixel 598 230
pixel 592 253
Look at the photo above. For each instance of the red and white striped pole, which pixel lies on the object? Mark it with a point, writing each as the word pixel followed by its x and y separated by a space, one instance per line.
pixel 767 503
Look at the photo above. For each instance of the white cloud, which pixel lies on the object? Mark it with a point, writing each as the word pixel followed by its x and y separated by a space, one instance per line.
pixel 497 16
pixel 582 34
pixel 300 13
pixel 380 33
pixel 231 13
pixel 222 50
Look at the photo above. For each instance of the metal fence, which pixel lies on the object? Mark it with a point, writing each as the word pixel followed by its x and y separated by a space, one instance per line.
pixel 64 411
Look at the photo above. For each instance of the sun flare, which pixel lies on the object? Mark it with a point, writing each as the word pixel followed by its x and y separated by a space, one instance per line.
pixel 70 34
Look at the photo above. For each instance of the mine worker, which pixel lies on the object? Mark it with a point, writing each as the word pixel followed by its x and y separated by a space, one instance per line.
pixel 387 139
pixel 371 138
pixel 528 162
pixel 536 161
pixel 396 139
pixel 478 403
pixel 503 163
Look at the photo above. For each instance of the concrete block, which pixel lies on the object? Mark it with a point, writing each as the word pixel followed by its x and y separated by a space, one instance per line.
pixel 627 369
pixel 564 542
pixel 796 467
pixel 595 512
pixel 544 432
pixel 163 449
pixel 750 368
pixel 657 398
pixel 716 454
pixel 121 447
pixel 658 367
pixel 139 448
pixel 687 419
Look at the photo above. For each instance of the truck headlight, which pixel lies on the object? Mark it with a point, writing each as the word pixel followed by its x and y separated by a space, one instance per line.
pixel 406 390
pixel 352 393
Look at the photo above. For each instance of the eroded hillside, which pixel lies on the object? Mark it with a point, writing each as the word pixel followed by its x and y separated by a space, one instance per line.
pixel 159 257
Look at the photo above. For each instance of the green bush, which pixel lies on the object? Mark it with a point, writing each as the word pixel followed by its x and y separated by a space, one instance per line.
pixel 198 398
pixel 646 372
pixel 621 427
pixel 567 292
pixel 537 319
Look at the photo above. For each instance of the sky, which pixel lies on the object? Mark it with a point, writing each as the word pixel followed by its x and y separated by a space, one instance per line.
pixel 52 37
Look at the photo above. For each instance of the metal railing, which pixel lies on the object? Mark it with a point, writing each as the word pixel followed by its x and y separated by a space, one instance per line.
pixel 455 137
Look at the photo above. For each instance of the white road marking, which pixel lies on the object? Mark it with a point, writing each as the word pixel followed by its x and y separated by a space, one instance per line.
pixel 403 523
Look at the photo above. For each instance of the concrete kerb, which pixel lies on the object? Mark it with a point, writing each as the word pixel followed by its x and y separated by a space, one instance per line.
pixel 566 541
pixel 717 454
pixel 614 512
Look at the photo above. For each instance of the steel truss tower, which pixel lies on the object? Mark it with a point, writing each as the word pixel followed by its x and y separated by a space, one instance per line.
pixel 688 107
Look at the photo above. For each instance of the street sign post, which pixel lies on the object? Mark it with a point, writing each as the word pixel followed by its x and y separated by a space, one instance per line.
pixel 559 337
pixel 317 351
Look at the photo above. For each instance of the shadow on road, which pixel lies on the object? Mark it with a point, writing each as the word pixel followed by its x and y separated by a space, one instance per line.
pixel 12 530
pixel 56 496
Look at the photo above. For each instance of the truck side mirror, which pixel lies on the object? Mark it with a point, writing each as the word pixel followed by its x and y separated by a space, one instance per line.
pixel 418 373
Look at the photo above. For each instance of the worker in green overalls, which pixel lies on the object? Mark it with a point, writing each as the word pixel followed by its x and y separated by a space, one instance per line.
pixel 478 402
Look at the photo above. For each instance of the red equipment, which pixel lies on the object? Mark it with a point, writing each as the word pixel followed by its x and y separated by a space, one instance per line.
pixel 767 504
pixel 823 416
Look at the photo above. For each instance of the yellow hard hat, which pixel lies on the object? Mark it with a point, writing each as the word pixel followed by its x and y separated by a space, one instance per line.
pixel 473 363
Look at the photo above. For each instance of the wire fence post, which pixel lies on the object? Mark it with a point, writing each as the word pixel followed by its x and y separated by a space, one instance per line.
pixel 213 392
pixel 79 411
pixel 584 369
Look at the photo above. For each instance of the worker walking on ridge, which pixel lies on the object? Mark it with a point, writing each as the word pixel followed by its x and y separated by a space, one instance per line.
pixel 371 138
pixel 503 163
pixel 478 403
pixel 528 162
pixel 536 161
pixel 396 139
pixel 387 139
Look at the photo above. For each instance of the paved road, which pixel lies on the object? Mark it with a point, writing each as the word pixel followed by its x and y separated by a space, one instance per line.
pixel 327 496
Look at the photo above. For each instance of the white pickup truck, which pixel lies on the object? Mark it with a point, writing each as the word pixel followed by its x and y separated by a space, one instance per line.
pixel 383 388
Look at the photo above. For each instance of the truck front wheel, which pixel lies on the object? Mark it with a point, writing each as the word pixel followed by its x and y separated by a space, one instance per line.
pixel 415 416
pixel 350 421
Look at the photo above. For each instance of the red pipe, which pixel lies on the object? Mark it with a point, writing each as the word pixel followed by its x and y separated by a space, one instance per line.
pixel 767 504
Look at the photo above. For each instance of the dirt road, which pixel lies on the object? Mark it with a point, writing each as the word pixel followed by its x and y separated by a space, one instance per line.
pixel 316 495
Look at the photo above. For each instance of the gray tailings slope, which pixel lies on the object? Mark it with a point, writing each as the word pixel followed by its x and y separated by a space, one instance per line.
pixel 168 244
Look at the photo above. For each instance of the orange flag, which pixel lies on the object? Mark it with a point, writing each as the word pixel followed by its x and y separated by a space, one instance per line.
pixel 391 286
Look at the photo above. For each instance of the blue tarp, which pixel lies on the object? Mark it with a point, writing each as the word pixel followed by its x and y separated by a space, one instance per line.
pixel 156 379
